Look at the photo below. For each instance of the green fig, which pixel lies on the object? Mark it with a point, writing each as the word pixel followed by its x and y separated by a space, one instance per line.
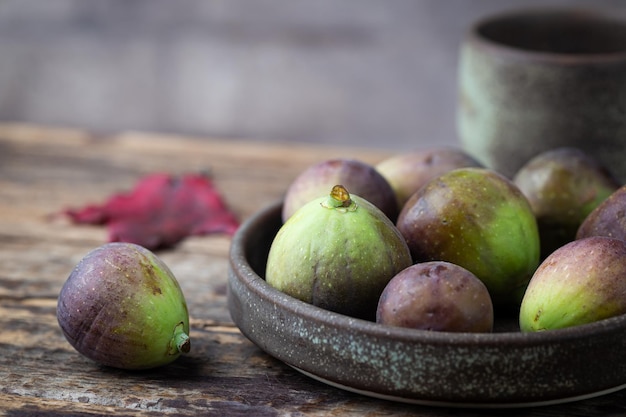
pixel 563 186
pixel 581 282
pixel 436 296
pixel 337 252
pixel 477 219
pixel 408 172
pixel 608 219
pixel 122 307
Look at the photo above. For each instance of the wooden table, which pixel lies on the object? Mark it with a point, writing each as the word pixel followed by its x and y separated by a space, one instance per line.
pixel 43 171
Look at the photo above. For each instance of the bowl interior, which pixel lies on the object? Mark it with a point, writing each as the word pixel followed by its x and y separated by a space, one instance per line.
pixel 252 244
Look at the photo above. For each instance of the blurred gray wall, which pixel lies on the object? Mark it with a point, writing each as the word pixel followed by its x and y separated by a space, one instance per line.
pixel 375 73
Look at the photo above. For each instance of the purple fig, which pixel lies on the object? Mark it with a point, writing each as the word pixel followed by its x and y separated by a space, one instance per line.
pixel 608 219
pixel 408 172
pixel 437 296
pixel 121 306
pixel 563 186
pixel 359 177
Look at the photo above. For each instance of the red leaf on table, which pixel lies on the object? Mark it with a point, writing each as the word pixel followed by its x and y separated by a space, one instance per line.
pixel 161 211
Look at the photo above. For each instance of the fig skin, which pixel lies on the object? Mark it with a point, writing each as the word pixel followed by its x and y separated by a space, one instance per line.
pixel 359 177
pixel 121 306
pixel 563 186
pixel 407 173
pixel 477 219
pixel 437 296
pixel 608 219
pixel 581 282
pixel 337 252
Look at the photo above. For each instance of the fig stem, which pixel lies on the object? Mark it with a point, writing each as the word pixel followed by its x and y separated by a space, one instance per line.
pixel 339 199
pixel 342 195
pixel 180 340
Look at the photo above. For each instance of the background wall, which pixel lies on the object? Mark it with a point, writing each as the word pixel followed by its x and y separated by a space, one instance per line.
pixel 376 73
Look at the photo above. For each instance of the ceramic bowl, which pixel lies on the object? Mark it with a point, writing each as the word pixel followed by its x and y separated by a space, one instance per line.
pixel 501 369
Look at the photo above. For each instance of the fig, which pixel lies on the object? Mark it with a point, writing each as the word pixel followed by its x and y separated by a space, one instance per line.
pixel 608 219
pixel 121 306
pixel 407 173
pixel 359 177
pixel 437 296
pixel 563 186
pixel 581 282
pixel 477 219
pixel 337 252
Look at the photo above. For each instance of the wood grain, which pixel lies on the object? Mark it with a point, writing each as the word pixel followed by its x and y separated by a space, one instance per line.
pixel 43 171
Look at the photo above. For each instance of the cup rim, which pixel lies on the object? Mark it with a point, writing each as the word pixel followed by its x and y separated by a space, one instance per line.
pixel 478 39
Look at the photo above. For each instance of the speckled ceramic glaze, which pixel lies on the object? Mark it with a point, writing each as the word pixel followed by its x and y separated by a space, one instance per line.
pixel 534 80
pixel 504 369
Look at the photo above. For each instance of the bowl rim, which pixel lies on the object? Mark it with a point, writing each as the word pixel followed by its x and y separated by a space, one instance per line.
pixel 254 282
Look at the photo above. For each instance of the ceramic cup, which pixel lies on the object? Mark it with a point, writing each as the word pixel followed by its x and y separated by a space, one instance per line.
pixel 534 80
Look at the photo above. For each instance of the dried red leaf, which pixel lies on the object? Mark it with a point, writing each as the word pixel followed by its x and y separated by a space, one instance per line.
pixel 161 211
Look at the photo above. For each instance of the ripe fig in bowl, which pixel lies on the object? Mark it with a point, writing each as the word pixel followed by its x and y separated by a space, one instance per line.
pixel 122 307
pixel 437 296
pixel 579 283
pixel 408 172
pixel 563 186
pixel 337 252
pixel 608 219
pixel 478 219
pixel 360 178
